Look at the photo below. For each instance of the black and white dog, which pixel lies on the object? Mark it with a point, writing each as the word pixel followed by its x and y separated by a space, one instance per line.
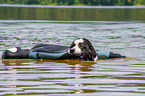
pixel 84 48
pixel 80 49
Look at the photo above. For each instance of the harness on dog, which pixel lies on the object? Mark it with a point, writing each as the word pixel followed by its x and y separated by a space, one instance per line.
pixel 52 52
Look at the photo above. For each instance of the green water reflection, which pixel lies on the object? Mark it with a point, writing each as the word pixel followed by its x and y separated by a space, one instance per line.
pixel 72 14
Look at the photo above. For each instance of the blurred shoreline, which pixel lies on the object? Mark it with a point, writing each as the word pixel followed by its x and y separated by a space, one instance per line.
pixel 66 6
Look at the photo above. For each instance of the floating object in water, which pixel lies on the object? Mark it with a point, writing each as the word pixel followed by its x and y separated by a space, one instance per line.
pixel 51 52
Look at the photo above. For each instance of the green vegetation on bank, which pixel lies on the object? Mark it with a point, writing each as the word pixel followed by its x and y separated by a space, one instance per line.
pixel 76 2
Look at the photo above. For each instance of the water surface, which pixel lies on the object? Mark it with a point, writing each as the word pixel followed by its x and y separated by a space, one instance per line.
pixel 113 77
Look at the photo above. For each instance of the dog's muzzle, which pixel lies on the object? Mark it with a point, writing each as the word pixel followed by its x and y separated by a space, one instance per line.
pixel 78 56
pixel 71 51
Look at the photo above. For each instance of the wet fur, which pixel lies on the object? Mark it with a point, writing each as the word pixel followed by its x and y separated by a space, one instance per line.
pixel 87 50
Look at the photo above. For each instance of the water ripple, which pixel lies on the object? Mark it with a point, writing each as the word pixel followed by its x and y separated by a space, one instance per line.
pixel 121 77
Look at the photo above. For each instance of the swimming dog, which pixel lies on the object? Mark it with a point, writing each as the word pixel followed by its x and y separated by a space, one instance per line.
pixel 80 49
pixel 84 48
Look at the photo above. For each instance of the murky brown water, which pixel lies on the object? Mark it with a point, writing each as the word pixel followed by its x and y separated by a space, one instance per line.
pixel 114 77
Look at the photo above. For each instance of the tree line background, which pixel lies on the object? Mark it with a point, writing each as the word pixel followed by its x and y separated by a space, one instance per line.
pixel 76 2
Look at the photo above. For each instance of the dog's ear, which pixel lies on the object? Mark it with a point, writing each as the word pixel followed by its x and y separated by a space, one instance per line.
pixel 90 49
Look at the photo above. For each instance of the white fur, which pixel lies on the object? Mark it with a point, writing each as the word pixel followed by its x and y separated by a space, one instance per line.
pixel 76 47
pixel 95 59
pixel 13 50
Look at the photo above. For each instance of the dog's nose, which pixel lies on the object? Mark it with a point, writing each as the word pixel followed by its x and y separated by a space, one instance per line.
pixel 72 50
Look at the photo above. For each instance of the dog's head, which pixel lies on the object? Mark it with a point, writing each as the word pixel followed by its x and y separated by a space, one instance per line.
pixel 84 48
